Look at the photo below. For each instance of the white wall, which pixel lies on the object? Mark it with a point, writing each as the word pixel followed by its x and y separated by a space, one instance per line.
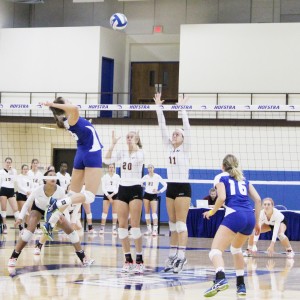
pixel 50 59
pixel 240 58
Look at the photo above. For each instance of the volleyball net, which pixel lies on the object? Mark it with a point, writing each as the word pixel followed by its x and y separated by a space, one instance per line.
pixel 269 153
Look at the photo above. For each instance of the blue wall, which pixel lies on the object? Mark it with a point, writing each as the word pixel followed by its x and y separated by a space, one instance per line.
pixel 287 195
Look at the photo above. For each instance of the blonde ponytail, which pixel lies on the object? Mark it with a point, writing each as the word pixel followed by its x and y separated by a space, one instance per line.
pixel 231 166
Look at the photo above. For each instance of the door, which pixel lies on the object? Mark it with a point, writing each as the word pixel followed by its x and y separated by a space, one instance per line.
pixel 144 78
pixel 107 85
pixel 63 155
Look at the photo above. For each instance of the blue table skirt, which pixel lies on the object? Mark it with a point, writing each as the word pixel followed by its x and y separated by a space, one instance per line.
pixel 200 227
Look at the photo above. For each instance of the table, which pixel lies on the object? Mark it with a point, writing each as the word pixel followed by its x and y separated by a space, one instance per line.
pixel 200 227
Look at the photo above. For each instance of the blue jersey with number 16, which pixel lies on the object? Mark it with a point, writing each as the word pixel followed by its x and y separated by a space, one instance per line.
pixel 236 192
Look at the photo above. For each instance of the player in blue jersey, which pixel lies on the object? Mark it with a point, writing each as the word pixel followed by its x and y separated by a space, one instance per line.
pixel 87 161
pixel 239 221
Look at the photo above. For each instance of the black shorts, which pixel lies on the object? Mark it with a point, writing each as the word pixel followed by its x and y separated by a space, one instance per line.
pixel 175 190
pixel 34 207
pixel 21 197
pixel 283 221
pixel 129 193
pixel 150 197
pixel 7 192
pixel 114 197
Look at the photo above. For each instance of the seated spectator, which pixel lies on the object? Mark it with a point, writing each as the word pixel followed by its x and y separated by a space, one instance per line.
pixel 212 197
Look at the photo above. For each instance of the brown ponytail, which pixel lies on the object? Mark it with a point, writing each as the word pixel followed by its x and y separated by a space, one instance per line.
pixel 58 113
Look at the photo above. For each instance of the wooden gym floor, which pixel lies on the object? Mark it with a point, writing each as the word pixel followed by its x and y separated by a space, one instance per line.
pixel 57 273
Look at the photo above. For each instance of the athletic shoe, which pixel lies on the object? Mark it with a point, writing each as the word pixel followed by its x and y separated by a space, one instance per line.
pixel 87 262
pixel 219 285
pixel 37 251
pixel 127 267
pixel 4 229
pixel 101 231
pixel 148 232
pixel 290 253
pixel 12 262
pixel 38 231
pixel 51 209
pixel 169 264
pixel 247 253
pixel 115 231
pixel 178 265
pixel 138 268
pixel 241 290
pixel 154 233
pixel 91 231
pixel 48 231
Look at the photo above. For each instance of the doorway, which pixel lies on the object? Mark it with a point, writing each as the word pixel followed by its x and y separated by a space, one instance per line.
pixel 63 155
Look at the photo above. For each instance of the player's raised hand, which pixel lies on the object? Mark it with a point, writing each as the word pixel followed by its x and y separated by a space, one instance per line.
pixel 114 138
pixel 183 100
pixel 157 99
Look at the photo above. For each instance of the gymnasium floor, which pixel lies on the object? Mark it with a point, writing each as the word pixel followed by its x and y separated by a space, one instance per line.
pixel 57 273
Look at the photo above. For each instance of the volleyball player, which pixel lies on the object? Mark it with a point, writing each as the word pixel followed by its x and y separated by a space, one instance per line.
pixel 129 197
pixel 63 176
pixel 271 219
pixel 24 186
pixel 110 188
pixel 37 179
pixel 87 161
pixel 39 199
pixel 178 196
pixel 7 192
pixel 239 221
pixel 152 181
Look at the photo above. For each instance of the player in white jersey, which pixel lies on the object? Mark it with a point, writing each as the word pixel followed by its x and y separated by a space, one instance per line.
pixel 63 176
pixel 129 196
pixel 8 177
pixel 39 199
pixel 36 176
pixel 271 219
pixel 110 187
pixel 178 196
pixel 24 188
pixel 151 183
pixel 87 167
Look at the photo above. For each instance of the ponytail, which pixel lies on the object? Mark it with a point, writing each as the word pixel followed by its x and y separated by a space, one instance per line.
pixel 58 113
pixel 231 166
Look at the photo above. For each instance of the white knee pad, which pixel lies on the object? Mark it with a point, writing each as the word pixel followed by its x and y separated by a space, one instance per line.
pixel 115 216
pixel 147 216
pixel 26 235
pixel 214 252
pixel 172 226
pixel 104 216
pixel 181 226
pixel 154 216
pixel 235 250
pixel 123 233
pixel 3 214
pixel 89 197
pixel 282 236
pixel 89 216
pixel 74 237
pixel 135 233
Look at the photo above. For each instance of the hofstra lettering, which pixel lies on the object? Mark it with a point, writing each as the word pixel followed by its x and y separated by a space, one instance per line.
pixel 268 107
pixel 139 106
pixel 181 107
pixel 98 106
pixel 224 107
pixel 19 106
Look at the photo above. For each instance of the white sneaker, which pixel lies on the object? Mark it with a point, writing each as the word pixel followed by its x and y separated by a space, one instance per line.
pixel 247 253
pixel 139 268
pixel 127 267
pixel 290 253
pixel 148 232
pixel 38 231
pixel 12 262
pixel 92 231
pixel 178 265
pixel 115 231
pixel 4 229
pixel 88 262
pixel 37 251
pixel 101 231
pixel 169 264
pixel 154 233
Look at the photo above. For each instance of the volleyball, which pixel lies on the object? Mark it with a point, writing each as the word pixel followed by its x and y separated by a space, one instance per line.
pixel 118 21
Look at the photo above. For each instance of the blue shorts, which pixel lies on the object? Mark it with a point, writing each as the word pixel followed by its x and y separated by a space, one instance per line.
pixel 86 159
pixel 240 221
